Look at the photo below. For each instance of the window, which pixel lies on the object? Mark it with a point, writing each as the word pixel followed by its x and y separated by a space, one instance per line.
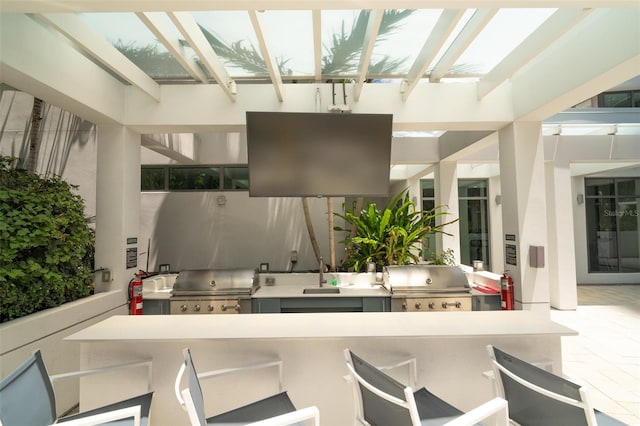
pixel 428 203
pixel 613 240
pixel 622 99
pixel 194 178
pixel 474 221
pixel 152 179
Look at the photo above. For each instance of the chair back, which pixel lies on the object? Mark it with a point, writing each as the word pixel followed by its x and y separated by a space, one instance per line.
pixel 26 395
pixel 384 400
pixel 193 399
pixel 536 396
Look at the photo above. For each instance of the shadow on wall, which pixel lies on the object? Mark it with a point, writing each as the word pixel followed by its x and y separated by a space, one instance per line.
pixel 192 230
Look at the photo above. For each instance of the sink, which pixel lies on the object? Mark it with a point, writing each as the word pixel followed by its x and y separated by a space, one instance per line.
pixel 321 290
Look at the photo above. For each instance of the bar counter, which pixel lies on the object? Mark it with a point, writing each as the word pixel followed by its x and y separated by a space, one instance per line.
pixel 449 348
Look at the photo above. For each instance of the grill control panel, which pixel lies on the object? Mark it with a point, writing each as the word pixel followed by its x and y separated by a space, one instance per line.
pixel 209 306
pixel 426 304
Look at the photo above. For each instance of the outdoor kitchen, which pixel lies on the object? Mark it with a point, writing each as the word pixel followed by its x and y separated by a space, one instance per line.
pixel 408 288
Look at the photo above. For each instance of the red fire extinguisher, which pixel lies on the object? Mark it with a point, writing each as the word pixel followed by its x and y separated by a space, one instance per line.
pixel 135 294
pixel 506 297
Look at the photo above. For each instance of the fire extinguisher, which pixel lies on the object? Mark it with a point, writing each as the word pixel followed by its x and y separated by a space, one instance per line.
pixel 135 294
pixel 506 297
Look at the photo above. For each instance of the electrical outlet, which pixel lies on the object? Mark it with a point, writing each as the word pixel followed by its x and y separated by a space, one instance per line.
pixel 106 276
pixel 294 255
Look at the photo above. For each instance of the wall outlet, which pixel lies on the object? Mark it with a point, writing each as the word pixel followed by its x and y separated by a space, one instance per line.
pixel 294 255
pixel 106 276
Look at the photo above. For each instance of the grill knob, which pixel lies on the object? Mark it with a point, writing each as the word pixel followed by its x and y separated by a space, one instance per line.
pixel 210 308
pixel 196 308
pixel 183 308
pixel 445 305
pixel 458 305
pixel 432 305
pixel 418 305
pixel 404 306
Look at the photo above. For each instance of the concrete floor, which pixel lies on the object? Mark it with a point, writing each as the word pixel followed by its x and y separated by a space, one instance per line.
pixel 606 354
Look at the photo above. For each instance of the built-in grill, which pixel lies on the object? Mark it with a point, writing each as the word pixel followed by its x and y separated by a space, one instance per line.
pixel 428 288
pixel 213 291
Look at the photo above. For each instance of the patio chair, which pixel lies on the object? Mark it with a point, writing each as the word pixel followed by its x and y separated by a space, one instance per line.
pixel 380 400
pixel 276 410
pixel 27 399
pixel 539 397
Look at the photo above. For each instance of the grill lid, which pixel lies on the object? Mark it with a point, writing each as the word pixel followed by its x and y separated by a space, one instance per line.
pixel 414 279
pixel 213 282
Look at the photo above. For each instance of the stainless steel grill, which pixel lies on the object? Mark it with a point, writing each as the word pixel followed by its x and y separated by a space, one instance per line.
pixel 213 291
pixel 428 288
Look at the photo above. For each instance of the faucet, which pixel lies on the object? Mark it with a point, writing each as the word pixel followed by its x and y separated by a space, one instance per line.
pixel 321 279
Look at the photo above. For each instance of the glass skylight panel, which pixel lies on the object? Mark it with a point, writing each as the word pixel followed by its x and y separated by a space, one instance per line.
pixel 507 29
pixel 289 36
pixel 342 38
pixel 133 39
pixel 398 45
pixel 234 41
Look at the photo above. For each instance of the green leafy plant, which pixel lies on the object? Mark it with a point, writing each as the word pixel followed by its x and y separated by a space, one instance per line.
pixel 46 245
pixel 391 236
pixel 446 257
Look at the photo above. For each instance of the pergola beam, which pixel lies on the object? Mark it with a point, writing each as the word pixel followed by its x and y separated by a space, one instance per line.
pixel 85 38
pixel 269 60
pixel 371 33
pixel 189 28
pixel 478 21
pixel 159 28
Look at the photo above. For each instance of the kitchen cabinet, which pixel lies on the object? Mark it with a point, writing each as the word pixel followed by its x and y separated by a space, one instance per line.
pixel 155 306
pixel 486 302
pixel 320 304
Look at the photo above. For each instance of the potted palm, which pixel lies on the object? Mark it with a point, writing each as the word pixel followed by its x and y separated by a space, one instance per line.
pixel 389 236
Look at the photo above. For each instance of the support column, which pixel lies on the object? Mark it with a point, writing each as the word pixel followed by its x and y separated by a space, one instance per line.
pixel 524 223
pixel 118 206
pixel 561 255
pixel 446 192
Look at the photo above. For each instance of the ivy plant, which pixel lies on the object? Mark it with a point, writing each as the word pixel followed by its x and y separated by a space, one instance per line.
pixel 391 236
pixel 46 245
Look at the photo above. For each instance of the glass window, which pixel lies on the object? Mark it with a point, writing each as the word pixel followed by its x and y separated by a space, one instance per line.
pixel 599 187
pixel 473 221
pixel 236 178
pixel 636 99
pixel 152 179
pixel 613 240
pixel 190 178
pixel 616 99
pixel 135 41
pixel 428 204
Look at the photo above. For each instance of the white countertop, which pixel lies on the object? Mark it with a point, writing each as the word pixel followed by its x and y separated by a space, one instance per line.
pixel 321 325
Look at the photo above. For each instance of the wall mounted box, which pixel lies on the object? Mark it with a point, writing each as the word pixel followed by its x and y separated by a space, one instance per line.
pixel 536 256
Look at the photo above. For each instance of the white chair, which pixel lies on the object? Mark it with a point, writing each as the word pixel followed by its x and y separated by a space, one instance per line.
pixel 276 410
pixel 27 398
pixel 381 400
pixel 539 397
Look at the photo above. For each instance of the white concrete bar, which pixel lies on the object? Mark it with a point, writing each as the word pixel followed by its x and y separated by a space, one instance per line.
pixel 449 348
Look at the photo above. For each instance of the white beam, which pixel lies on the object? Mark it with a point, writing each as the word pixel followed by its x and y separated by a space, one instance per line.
pixel 554 27
pixel 599 53
pixel 478 21
pixel 269 60
pixel 68 6
pixel 441 31
pixel 189 28
pixel 188 107
pixel 76 30
pixel 51 69
pixel 160 29
pixel 371 33
pixel 317 43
